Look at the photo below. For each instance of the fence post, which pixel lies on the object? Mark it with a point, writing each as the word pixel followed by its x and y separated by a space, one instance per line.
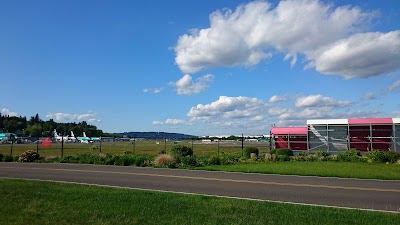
pixel 62 145
pixel 12 142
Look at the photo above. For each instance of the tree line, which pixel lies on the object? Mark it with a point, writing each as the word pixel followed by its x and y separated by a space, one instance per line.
pixel 36 127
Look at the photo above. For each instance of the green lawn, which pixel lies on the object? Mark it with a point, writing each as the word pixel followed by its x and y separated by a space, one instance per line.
pixel 148 147
pixel 323 169
pixel 38 202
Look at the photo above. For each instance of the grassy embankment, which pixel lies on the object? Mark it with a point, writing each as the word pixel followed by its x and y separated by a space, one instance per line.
pixel 323 169
pixel 38 202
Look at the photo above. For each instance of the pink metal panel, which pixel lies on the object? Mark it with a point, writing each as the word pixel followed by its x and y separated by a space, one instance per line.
pixel 290 130
pixel 371 121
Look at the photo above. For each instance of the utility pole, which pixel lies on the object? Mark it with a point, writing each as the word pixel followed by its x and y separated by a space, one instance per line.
pixel 100 143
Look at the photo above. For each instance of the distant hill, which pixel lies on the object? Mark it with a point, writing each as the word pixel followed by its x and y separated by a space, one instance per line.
pixel 155 135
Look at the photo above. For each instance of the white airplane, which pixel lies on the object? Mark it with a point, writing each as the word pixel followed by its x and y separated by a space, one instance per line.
pixel 72 138
pixel 59 138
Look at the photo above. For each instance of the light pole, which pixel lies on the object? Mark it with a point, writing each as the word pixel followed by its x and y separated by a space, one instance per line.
pixel 270 137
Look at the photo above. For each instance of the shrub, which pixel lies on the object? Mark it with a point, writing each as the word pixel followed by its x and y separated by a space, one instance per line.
pixel 375 156
pixel 229 159
pixel 351 155
pixel 284 151
pixel 282 158
pixel 189 161
pixel 302 153
pixel 181 150
pixel 272 151
pixel 382 157
pixel 28 156
pixel 298 158
pixel 214 160
pixel 322 153
pixel 165 160
pixel 311 158
pixel 1 157
pixel 8 158
pixel 248 150
pixel 392 157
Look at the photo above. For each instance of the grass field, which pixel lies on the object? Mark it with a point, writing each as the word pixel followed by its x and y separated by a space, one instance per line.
pixel 140 147
pixel 39 202
pixel 323 169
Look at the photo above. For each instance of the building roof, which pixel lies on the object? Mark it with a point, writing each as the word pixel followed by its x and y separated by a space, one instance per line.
pixel 328 121
pixel 371 121
pixel 289 130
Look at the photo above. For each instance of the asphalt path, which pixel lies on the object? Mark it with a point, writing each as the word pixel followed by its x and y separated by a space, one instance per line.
pixel 336 192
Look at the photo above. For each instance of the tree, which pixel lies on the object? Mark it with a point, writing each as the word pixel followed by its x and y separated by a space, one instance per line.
pixel 35 130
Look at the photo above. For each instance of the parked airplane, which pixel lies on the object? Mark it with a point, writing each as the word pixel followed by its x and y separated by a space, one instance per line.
pixel 59 138
pixel 7 137
pixel 72 138
pixel 84 139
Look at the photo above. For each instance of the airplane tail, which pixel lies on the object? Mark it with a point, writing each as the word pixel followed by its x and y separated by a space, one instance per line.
pixel 84 134
pixel 55 133
pixel 72 134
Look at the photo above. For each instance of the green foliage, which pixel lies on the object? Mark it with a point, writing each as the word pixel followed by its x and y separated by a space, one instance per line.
pixel 272 151
pixel 36 127
pixel 392 157
pixel 302 153
pixel 181 151
pixel 284 151
pixel 351 155
pixel 8 158
pixel 1 157
pixel 376 156
pixel 214 160
pixel 282 158
pixel 190 161
pixel 28 156
pixel 248 150
pixel 322 153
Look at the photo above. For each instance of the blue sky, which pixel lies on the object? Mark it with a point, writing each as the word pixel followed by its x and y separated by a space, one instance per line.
pixel 199 67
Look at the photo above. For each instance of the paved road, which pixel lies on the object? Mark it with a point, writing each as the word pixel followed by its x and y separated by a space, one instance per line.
pixel 351 193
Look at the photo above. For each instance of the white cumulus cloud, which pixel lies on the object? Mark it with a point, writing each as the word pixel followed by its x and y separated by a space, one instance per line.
pixel 360 55
pixel 230 107
pixel 8 112
pixel 248 35
pixel 276 98
pixel 320 101
pixel 186 85
pixel 90 117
